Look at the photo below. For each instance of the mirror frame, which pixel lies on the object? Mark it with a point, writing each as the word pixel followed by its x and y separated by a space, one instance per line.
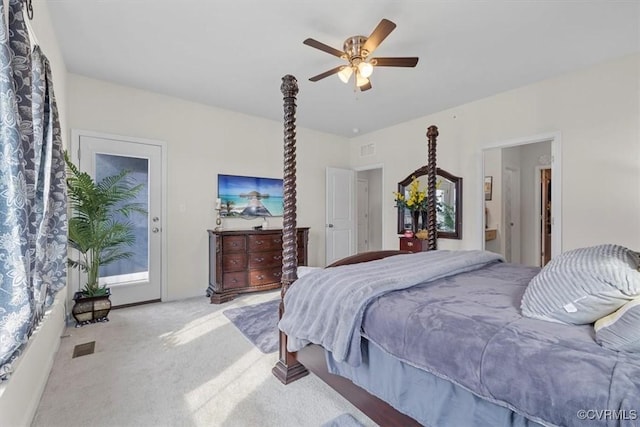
pixel 457 182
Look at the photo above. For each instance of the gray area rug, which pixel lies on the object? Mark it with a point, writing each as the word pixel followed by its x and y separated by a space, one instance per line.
pixel 344 420
pixel 259 323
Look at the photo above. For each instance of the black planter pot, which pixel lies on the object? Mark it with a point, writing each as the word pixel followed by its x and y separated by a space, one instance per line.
pixel 91 309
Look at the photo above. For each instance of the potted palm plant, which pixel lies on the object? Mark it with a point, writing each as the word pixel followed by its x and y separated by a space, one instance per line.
pixel 100 232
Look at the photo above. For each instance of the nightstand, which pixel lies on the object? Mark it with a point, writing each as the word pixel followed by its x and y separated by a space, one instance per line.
pixel 412 244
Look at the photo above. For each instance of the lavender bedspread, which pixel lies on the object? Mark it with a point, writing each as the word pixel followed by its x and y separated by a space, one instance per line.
pixel 467 328
pixel 326 307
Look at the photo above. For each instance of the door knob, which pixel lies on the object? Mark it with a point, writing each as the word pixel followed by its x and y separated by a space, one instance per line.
pixel 155 229
pixel 330 225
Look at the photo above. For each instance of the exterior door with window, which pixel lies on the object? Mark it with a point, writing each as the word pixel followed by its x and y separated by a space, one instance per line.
pixel 136 279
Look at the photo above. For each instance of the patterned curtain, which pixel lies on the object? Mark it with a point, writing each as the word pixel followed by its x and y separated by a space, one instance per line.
pixel 33 221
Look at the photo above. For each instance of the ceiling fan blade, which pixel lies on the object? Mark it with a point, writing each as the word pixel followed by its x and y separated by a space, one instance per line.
pixel 327 73
pixel 380 33
pixel 365 86
pixel 323 47
pixel 395 62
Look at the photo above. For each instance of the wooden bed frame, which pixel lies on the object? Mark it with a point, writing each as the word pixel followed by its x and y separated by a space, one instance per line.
pixel 292 366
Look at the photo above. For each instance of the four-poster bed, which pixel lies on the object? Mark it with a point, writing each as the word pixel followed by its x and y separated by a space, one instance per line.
pixel 438 335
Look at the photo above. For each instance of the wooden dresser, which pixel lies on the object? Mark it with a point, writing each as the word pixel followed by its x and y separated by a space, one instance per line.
pixel 413 244
pixel 247 261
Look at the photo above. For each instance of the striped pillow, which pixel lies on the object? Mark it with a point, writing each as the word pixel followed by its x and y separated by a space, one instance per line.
pixel 583 285
pixel 620 330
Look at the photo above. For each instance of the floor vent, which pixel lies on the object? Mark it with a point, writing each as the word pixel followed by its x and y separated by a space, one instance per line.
pixel 84 349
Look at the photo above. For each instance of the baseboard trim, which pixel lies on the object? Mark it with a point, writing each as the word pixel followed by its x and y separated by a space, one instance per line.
pixel 135 304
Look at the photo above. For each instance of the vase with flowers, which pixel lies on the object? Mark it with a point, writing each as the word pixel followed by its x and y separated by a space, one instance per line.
pixel 415 201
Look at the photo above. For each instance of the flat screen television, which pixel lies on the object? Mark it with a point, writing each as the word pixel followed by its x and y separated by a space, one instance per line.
pixel 250 196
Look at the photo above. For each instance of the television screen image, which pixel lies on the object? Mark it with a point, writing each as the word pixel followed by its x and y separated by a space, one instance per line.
pixel 250 196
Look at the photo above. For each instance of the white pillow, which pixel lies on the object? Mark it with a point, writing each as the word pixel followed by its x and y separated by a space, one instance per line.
pixel 620 330
pixel 583 285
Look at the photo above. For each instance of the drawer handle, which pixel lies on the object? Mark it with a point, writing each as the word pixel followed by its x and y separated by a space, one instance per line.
pixel 409 244
pixel 259 242
pixel 234 261
pixel 277 257
pixel 260 277
pixel 259 259
pixel 234 244
pixel 278 274
pixel 277 240
pixel 234 281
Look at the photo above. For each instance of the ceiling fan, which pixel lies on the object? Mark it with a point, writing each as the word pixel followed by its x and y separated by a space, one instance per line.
pixel 357 52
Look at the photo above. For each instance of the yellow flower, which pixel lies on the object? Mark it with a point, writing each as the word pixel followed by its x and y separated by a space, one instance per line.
pixel 415 200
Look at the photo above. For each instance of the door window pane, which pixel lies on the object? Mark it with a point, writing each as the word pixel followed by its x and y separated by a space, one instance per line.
pixel 136 267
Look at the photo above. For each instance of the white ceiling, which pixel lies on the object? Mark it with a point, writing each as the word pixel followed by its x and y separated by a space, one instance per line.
pixel 233 54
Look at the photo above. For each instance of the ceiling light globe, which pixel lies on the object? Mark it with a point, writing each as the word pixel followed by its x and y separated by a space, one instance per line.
pixel 345 74
pixel 365 69
pixel 360 80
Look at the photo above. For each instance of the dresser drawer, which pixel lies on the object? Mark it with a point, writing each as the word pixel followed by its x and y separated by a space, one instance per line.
pixel 267 242
pixel 265 276
pixel 234 244
pixel 413 244
pixel 234 262
pixel 248 260
pixel 265 259
pixel 234 280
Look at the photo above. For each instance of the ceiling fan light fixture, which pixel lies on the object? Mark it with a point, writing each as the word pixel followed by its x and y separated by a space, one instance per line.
pixel 345 74
pixel 365 69
pixel 357 52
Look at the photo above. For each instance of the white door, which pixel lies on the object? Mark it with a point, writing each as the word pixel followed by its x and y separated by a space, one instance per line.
pixel 340 225
pixel 512 215
pixel 136 279
pixel 362 210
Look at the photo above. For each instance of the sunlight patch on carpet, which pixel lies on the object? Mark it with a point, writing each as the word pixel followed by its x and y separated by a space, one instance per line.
pixel 194 329
pixel 245 370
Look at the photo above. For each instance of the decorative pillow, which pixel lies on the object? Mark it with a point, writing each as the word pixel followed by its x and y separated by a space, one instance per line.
pixel 583 285
pixel 620 330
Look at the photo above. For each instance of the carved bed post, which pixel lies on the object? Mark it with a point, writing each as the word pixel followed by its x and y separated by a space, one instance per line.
pixel 288 368
pixel 432 239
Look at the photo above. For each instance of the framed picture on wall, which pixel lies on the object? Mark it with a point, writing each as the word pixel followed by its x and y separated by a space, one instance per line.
pixel 488 187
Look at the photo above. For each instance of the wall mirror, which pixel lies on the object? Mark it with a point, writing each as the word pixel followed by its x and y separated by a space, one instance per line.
pixel 448 203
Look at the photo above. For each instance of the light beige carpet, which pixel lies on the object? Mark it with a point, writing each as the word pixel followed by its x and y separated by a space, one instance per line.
pixel 178 364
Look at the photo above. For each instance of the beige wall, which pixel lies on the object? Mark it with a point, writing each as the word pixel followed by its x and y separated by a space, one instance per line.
pixel 597 113
pixel 202 142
